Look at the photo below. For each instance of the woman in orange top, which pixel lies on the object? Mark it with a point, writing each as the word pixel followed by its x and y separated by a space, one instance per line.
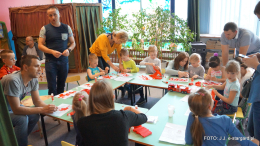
pixel 105 44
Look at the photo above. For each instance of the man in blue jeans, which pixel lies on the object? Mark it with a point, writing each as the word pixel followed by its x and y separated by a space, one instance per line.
pixel 15 87
pixel 56 35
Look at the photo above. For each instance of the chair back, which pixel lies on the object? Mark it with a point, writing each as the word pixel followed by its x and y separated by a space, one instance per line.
pixel 72 79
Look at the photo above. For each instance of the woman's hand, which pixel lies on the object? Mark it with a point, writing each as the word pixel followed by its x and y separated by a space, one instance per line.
pixel 106 70
pixel 251 62
pixel 183 74
pixel 116 69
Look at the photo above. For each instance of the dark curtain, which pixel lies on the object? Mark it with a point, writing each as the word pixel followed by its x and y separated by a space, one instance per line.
pixel 193 18
pixel 7 136
pixel 88 21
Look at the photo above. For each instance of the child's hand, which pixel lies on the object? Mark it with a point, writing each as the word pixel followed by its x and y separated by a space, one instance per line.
pixel 125 70
pixel 102 73
pixel 213 79
pixel 157 67
pixel 183 74
pixel 209 87
pixel 195 76
pixel 107 69
pixel 215 91
pixel 207 77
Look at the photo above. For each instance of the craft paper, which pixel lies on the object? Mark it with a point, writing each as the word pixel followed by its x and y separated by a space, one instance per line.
pixel 106 77
pixel 179 79
pixel 124 74
pixel 62 109
pixel 124 79
pixel 185 98
pixel 66 95
pixel 145 77
pixel 173 133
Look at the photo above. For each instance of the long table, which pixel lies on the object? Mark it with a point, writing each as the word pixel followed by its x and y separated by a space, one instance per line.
pixel 160 109
pixel 68 119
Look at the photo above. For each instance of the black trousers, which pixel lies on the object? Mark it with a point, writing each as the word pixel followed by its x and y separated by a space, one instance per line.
pixel 102 63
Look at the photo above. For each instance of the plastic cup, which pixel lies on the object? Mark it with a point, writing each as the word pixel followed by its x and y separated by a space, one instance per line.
pixel 171 109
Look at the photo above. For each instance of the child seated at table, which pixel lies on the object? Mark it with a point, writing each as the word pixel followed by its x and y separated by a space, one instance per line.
pixel 196 70
pixel 130 66
pixel 9 67
pixel 202 125
pixel 106 126
pixel 94 71
pixel 151 62
pixel 80 107
pixel 216 72
pixel 179 66
pixel 229 102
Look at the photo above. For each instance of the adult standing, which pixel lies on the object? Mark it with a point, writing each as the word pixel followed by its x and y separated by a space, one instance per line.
pixel 15 87
pixel 245 41
pixel 56 35
pixel 253 126
pixel 31 48
pixel 105 44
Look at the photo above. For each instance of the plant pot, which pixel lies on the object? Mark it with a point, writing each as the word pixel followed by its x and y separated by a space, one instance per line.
pixel 163 64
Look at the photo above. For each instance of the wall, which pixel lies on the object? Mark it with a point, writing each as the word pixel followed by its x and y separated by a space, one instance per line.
pixel 5 4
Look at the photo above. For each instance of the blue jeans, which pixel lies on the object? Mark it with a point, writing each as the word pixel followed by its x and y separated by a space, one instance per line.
pixel 23 126
pixel 56 74
pixel 253 126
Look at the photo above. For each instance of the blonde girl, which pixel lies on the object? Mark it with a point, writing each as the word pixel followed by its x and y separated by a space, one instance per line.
pixel 196 70
pixel 229 102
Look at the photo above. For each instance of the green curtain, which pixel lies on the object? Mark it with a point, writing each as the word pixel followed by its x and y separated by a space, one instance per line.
pixel 7 136
pixel 88 21
pixel 193 18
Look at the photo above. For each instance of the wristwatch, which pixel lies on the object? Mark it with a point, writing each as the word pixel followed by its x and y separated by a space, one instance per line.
pixel 69 50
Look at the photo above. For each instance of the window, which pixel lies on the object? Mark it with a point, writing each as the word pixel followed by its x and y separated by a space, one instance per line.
pixel 239 11
pixel 132 6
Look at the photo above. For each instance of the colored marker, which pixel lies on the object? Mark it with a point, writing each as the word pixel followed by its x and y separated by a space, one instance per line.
pixel 52 97
pixel 165 82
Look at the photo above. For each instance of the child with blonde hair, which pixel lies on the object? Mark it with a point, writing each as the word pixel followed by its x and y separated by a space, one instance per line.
pixel 152 61
pixel 196 70
pixel 80 107
pixel 105 125
pixel 229 102
pixel 9 67
pixel 202 125
pixel 179 66
pixel 94 71
pixel 216 72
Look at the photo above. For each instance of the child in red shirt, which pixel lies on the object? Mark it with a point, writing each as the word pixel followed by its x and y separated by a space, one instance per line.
pixel 9 67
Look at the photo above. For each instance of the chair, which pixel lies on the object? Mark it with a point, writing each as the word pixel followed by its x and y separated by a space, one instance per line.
pixel 86 78
pixel 72 79
pixel 64 143
pixel 240 116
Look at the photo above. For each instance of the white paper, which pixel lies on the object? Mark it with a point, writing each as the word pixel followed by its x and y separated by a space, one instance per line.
pixel 87 85
pixel 194 89
pixel 187 112
pixel 70 94
pixel 124 79
pixel 145 77
pixel 173 133
pixel 152 119
pixel 106 77
pixel 179 79
pixel 124 74
pixel 59 113
pixel 185 98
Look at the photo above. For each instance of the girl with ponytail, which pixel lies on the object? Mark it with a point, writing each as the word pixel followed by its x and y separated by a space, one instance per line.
pixel 207 129
pixel 80 107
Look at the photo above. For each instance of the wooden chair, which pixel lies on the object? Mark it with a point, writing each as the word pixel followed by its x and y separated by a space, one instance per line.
pixel 64 143
pixel 72 79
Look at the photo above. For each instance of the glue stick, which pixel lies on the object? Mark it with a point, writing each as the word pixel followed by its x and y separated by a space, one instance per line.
pixel 52 97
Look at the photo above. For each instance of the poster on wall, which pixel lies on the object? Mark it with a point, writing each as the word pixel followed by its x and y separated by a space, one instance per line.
pixel 1 31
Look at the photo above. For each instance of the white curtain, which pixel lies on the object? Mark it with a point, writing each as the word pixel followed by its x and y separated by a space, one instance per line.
pixel 239 11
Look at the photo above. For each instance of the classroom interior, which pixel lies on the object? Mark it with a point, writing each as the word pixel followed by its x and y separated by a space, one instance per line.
pixel 206 19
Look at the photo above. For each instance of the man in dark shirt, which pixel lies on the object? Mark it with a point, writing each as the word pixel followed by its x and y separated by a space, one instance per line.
pixel 56 36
